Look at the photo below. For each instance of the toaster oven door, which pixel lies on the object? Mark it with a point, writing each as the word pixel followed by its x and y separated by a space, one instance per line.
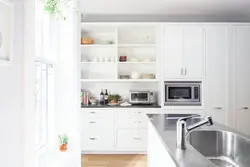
pixel 139 97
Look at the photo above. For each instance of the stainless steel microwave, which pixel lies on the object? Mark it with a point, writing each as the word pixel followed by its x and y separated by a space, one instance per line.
pixel 182 93
pixel 142 97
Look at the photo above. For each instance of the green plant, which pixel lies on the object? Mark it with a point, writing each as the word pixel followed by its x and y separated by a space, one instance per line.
pixel 63 139
pixel 115 97
pixel 58 8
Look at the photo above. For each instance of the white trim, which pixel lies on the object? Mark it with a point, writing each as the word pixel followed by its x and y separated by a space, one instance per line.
pixel 9 61
pixel 119 80
pixel 44 60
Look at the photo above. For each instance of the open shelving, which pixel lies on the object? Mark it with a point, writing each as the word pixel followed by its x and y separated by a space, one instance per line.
pixel 134 41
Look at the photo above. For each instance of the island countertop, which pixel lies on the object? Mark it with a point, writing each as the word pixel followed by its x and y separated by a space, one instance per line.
pixel 166 130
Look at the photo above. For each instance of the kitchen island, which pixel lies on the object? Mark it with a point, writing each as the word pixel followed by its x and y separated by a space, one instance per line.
pixel 162 151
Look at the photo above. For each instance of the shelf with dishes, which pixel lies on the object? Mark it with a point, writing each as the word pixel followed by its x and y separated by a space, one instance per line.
pixel 118 80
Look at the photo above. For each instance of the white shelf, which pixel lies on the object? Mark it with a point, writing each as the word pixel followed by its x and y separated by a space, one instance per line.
pixel 92 62
pixel 119 80
pixel 136 45
pixel 4 62
pixel 139 62
pixel 98 45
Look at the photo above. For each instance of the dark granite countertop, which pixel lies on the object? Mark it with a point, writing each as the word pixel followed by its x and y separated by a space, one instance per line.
pixel 133 106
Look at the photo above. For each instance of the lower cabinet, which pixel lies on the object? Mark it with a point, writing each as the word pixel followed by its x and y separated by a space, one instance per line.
pixel 132 140
pixel 114 130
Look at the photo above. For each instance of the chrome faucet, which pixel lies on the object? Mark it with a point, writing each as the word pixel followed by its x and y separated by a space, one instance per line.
pixel 183 130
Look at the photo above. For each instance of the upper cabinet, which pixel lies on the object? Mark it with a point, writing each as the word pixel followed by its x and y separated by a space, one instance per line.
pixel 183 52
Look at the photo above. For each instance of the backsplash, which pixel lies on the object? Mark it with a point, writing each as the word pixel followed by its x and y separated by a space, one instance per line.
pixel 117 88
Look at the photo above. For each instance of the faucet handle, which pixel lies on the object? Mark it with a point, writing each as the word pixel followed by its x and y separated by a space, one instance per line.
pixel 209 120
pixel 188 117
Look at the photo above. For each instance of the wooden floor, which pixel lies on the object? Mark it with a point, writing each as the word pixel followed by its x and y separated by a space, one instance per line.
pixel 114 161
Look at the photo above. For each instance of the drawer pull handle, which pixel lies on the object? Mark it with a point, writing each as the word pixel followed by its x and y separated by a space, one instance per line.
pixel 139 122
pixel 218 108
pixel 245 108
pixel 139 112
pixel 92 122
pixel 93 138
pixel 137 138
pixel 92 112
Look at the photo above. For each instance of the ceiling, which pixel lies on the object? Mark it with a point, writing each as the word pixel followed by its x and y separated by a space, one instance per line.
pixel 166 7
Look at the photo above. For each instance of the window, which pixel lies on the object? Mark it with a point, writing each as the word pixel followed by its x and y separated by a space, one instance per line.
pixel 44 85
pixel 44 78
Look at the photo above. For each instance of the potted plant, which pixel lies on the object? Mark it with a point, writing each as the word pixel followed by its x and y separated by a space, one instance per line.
pixel 114 98
pixel 63 140
pixel 58 8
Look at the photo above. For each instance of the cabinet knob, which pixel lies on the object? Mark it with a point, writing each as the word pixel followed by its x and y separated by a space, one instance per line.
pixel 92 112
pixel 218 108
pixel 93 138
pixel 185 72
pixel 244 108
pixel 139 112
pixel 139 122
pixel 92 122
pixel 137 138
pixel 181 71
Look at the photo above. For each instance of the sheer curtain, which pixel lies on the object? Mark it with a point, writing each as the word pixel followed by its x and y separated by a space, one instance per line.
pixel 44 80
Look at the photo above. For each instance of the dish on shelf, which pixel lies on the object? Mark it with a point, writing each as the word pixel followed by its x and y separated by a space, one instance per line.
pixel 134 59
pixel 123 58
pixel 147 76
pixel 147 60
pixel 124 76
pixel 135 75
pixel 85 41
pixel 106 42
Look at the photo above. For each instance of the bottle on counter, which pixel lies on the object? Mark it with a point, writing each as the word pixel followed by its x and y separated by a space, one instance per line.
pixel 106 97
pixel 102 97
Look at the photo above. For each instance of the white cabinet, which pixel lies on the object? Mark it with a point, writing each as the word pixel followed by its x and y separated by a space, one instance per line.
pixel 97 130
pixel 193 52
pixel 183 51
pixel 217 49
pixel 157 154
pixel 172 52
pixel 114 130
pixel 132 139
pixel 241 78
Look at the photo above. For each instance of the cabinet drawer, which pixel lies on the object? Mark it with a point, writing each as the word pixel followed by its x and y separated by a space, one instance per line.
pixel 126 113
pixel 142 122
pixel 98 113
pixel 127 122
pixel 97 140
pixel 97 123
pixel 132 139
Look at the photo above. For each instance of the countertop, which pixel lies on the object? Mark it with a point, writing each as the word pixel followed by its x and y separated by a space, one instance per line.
pixel 166 129
pixel 133 106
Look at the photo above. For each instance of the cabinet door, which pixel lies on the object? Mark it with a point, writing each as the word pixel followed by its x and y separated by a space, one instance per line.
pixel 172 52
pixel 193 51
pixel 216 50
pixel 242 77
pixel 132 139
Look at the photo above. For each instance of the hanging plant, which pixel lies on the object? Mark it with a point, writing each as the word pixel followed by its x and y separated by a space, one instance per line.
pixel 58 8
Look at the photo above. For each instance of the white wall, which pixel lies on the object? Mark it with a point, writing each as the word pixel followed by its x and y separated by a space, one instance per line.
pixel 11 83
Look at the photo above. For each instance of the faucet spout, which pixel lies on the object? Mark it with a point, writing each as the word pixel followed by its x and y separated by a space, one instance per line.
pixel 183 130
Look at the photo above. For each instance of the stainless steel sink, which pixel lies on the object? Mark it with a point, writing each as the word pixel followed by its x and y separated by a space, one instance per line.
pixel 223 148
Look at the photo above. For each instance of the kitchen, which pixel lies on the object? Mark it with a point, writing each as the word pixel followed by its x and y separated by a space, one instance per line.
pixel 196 72
pixel 126 83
